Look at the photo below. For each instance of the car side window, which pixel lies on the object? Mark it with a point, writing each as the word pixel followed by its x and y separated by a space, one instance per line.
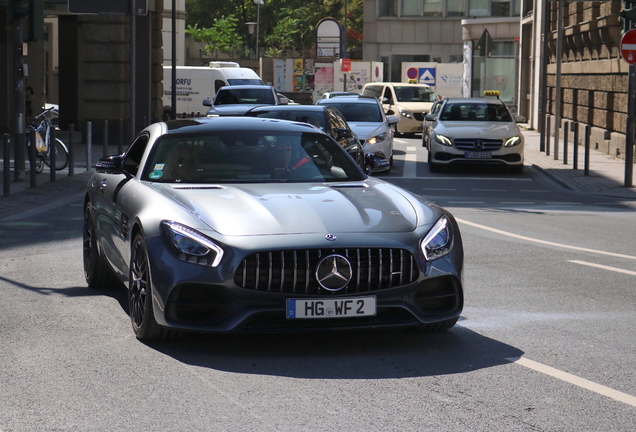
pixel 218 84
pixel 372 91
pixel 436 107
pixel 135 153
pixel 338 120
pixel 388 94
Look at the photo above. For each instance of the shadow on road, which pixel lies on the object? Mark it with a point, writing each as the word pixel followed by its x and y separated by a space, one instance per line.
pixel 369 354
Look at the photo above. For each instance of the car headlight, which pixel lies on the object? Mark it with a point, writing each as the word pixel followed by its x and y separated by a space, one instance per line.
pixel 190 245
pixel 376 139
pixel 406 114
pixel 443 140
pixel 439 240
pixel 510 142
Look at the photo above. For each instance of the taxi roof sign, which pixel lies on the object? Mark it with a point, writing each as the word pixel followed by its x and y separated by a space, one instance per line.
pixel 412 81
pixel 492 93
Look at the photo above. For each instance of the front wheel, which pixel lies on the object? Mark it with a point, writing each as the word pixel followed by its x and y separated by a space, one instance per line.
pixel 61 156
pixel 142 315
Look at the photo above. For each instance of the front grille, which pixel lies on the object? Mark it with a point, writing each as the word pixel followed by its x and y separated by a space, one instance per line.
pixel 293 271
pixel 486 144
pixel 418 116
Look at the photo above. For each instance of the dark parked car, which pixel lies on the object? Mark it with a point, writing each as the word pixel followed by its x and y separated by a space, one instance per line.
pixel 236 100
pixel 250 224
pixel 327 119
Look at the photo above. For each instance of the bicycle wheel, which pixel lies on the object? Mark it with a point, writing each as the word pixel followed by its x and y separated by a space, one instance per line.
pixel 61 156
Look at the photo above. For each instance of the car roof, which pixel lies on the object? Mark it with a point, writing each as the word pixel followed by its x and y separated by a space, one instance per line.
pixel 203 125
pixel 306 108
pixel 349 99
pixel 246 86
pixel 398 84
pixel 475 100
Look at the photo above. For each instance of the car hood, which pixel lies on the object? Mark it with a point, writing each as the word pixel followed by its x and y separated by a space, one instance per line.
pixel 286 208
pixel 477 129
pixel 415 106
pixel 231 110
pixel 366 130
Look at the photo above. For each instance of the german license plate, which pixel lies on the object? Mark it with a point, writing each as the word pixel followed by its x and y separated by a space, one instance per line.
pixel 478 155
pixel 331 308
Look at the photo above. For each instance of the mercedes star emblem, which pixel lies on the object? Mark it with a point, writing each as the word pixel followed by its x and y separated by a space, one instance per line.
pixel 333 272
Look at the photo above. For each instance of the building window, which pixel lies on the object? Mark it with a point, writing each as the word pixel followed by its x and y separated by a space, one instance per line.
pixel 411 8
pixel 500 8
pixel 432 7
pixel 478 8
pixel 387 8
pixel 455 8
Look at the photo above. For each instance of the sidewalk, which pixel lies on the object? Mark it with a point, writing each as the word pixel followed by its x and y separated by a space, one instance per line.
pixel 606 175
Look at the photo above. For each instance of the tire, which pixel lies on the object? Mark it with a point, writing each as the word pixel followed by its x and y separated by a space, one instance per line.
pixel 395 131
pixel 516 169
pixel 39 164
pixel 142 315
pixel 432 166
pixel 96 271
pixel 61 156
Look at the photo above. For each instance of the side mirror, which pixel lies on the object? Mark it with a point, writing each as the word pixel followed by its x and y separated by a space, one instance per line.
pixel 282 99
pixel 430 117
pixel 519 119
pixel 110 164
pixel 392 119
pixel 386 101
pixel 343 133
pixel 207 102
pixel 390 112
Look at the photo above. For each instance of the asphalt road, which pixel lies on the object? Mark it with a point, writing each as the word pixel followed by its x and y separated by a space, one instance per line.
pixel 545 342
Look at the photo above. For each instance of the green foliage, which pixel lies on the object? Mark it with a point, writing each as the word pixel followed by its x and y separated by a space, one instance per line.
pixel 286 26
pixel 222 36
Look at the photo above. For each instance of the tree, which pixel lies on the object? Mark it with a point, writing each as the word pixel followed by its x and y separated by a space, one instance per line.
pixel 222 36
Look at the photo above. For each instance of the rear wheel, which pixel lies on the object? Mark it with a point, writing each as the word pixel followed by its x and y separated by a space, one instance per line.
pixel 96 271
pixel 142 315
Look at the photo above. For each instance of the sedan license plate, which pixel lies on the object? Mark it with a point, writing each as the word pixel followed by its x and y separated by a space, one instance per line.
pixel 331 308
pixel 478 155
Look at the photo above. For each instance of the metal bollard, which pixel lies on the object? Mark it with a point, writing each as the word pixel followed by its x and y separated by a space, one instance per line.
pixel 566 129
pixel 557 128
pixel 71 149
pixel 33 156
pixel 586 162
pixel 575 155
pixel 548 127
pixel 89 145
pixel 6 174
pixel 105 144
pixel 52 156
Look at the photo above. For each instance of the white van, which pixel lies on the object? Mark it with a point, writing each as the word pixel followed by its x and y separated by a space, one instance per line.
pixel 409 101
pixel 195 83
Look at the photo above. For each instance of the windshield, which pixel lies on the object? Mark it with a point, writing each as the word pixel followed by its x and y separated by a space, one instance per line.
pixel 244 81
pixel 250 157
pixel 315 118
pixel 467 111
pixel 232 96
pixel 413 93
pixel 358 112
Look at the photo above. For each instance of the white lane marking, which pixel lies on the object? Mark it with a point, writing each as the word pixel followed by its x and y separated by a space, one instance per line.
pixel 604 267
pixel 533 190
pixel 438 189
pixel 562 203
pixel 477 178
pixel 577 381
pixel 489 190
pixel 545 242
pixel 516 202
pixel 411 149
pixel 410 163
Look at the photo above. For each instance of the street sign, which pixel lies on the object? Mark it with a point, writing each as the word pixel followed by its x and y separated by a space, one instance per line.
pixel 628 46
pixel 485 44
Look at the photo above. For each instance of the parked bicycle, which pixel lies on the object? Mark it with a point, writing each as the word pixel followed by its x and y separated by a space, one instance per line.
pixel 43 126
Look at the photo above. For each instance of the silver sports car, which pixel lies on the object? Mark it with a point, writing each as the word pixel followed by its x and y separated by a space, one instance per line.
pixel 250 224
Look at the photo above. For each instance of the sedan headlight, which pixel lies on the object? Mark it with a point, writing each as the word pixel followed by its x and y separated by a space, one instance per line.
pixel 376 139
pixel 510 142
pixel 406 114
pixel 439 240
pixel 443 140
pixel 190 245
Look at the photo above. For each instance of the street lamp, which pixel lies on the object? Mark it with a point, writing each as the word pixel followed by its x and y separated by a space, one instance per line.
pixel 258 20
pixel 250 30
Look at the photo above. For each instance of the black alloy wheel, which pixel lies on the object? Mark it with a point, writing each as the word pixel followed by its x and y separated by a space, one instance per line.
pixel 140 295
pixel 96 271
